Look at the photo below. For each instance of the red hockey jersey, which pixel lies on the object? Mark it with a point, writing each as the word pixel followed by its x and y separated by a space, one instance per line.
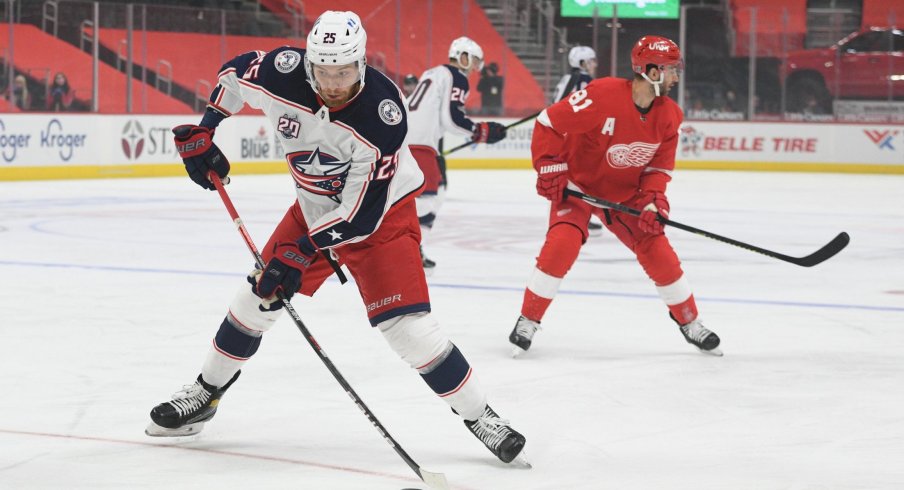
pixel 611 148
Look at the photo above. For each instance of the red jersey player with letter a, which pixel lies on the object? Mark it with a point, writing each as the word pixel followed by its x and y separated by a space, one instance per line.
pixel 615 140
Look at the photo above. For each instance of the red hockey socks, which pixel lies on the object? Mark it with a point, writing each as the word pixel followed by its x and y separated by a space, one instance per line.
pixel 563 244
pixel 680 300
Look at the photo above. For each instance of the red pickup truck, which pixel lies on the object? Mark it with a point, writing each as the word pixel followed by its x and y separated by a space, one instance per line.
pixel 868 64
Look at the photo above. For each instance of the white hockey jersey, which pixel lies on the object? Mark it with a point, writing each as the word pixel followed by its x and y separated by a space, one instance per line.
pixel 437 105
pixel 350 163
pixel 582 81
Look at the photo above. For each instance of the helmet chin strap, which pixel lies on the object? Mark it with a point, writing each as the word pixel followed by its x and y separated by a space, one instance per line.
pixel 655 84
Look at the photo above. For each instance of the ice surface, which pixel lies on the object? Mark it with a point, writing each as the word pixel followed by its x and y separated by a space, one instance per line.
pixel 111 291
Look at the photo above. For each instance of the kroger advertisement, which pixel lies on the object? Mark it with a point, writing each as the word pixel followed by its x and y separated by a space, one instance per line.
pixel 84 146
pixel 77 140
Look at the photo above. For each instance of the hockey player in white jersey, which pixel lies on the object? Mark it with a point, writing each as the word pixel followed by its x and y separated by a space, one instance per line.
pixel 437 106
pixel 343 127
pixel 582 60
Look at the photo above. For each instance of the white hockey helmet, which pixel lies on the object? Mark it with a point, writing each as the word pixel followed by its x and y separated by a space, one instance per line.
pixel 337 38
pixel 579 54
pixel 466 45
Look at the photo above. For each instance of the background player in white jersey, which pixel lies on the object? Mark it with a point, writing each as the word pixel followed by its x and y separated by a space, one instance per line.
pixel 437 106
pixel 615 140
pixel 582 60
pixel 343 127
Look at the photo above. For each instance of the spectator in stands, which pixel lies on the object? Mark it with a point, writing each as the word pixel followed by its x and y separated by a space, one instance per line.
pixel 21 97
pixel 409 84
pixel 812 105
pixel 731 102
pixel 59 94
pixel 697 105
pixel 490 88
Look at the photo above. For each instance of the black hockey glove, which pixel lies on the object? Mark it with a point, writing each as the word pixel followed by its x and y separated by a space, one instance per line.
pixel 199 153
pixel 488 132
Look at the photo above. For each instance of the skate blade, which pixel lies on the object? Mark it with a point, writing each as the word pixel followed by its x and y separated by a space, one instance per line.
pixel 517 351
pixel 428 271
pixel 521 460
pixel 712 352
pixel 155 430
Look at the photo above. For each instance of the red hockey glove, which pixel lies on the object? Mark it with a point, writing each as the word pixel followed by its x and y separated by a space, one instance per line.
pixel 283 273
pixel 488 132
pixel 551 180
pixel 199 153
pixel 655 204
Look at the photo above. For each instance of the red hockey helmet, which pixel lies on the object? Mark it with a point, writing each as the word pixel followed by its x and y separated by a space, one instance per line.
pixel 654 50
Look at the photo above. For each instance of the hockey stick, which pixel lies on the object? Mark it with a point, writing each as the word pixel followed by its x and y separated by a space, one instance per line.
pixel 433 480
pixel 512 125
pixel 575 76
pixel 825 253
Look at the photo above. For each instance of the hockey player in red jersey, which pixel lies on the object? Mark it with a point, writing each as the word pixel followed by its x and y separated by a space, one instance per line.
pixel 343 127
pixel 615 140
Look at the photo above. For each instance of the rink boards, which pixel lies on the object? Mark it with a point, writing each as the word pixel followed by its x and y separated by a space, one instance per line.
pixel 55 146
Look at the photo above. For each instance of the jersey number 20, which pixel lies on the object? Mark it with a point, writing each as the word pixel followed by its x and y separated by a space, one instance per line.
pixel 418 95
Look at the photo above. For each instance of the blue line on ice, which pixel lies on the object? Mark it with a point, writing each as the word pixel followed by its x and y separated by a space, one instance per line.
pixel 472 287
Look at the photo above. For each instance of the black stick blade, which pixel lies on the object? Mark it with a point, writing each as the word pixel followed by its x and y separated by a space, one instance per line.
pixel 825 253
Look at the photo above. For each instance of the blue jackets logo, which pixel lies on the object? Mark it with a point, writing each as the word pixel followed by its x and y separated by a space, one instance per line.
pixel 318 173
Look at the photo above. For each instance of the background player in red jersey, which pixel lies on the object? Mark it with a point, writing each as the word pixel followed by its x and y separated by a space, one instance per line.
pixel 616 140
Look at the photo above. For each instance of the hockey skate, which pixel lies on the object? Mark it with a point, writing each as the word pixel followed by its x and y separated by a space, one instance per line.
pixel 498 436
pixel 701 337
pixel 428 264
pixel 188 411
pixel 522 335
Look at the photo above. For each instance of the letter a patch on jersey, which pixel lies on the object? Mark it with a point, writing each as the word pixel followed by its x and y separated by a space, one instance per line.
pixel 609 126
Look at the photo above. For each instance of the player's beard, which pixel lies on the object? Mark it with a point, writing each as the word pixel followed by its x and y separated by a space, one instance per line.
pixel 335 98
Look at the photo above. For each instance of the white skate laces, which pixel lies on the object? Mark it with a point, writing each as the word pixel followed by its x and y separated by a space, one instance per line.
pixel 491 429
pixel 498 436
pixel 696 331
pixel 190 398
pixel 523 334
pixel 526 328
pixel 701 337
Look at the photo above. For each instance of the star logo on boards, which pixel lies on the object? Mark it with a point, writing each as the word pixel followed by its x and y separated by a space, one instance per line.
pixel 335 235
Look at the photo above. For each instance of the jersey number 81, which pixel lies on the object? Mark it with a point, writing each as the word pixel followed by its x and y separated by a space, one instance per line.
pixel 579 100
